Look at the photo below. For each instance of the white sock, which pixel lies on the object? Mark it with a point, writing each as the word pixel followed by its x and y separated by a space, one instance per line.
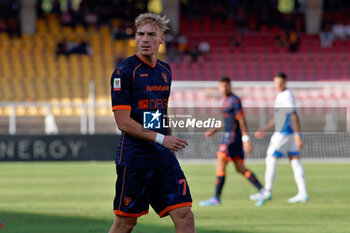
pixel 299 176
pixel 270 173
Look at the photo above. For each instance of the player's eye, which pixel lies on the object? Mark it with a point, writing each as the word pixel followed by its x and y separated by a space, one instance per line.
pixel 140 33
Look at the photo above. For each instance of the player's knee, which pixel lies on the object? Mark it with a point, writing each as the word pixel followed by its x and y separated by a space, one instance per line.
pixel 128 228
pixel 186 215
pixel 126 225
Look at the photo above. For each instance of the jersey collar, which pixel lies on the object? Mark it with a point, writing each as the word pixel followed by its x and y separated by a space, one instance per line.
pixel 146 62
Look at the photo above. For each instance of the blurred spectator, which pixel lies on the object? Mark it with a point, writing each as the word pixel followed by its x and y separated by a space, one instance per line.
pixel 204 48
pixel 294 41
pixel 91 19
pixel 338 30
pixel 62 48
pixel 79 48
pixel 281 39
pixel 192 53
pixel 347 29
pixel 237 40
pixel 182 43
pixel 56 7
pixel 124 31
pixel 66 47
pixel 67 18
pixel 241 20
pixel 326 36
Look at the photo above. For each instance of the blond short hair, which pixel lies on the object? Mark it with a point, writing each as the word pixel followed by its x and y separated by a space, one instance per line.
pixel 161 21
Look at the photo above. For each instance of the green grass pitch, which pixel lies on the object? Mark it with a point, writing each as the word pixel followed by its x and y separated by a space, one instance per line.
pixel 76 197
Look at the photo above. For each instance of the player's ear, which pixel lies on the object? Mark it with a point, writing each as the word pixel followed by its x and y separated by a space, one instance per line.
pixel 162 41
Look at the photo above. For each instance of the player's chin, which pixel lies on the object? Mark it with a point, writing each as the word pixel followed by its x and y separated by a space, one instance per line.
pixel 146 52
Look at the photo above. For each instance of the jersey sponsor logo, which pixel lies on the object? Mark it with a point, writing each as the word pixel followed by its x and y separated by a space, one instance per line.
pixel 127 200
pixel 117 84
pixel 153 104
pixel 165 77
pixel 157 88
pixel 151 120
pixel 143 75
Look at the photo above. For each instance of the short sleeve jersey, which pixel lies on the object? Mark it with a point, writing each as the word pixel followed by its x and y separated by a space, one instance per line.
pixel 232 112
pixel 140 87
pixel 284 108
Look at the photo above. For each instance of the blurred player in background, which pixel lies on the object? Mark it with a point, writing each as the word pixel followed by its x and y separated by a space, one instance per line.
pixel 234 141
pixel 148 171
pixel 285 141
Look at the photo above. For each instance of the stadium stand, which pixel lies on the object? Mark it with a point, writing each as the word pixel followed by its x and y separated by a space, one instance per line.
pixel 248 46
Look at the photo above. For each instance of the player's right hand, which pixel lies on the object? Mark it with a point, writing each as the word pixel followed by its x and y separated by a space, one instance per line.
pixel 259 134
pixel 248 147
pixel 174 143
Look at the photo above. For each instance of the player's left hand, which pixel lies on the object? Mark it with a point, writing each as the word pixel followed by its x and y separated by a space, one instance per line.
pixel 174 143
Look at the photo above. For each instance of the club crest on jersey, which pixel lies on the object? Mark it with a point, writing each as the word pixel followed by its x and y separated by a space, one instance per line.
pixel 118 70
pixel 165 77
pixel 117 84
pixel 127 201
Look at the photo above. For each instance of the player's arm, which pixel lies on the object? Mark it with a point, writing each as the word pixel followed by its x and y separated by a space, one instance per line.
pixel 130 126
pixel 261 132
pixel 210 132
pixel 297 134
pixel 247 145
pixel 170 130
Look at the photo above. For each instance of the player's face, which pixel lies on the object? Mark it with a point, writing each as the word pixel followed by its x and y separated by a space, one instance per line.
pixel 225 88
pixel 280 84
pixel 148 38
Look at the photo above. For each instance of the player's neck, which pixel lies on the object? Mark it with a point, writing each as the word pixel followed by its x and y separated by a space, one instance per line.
pixel 228 94
pixel 151 60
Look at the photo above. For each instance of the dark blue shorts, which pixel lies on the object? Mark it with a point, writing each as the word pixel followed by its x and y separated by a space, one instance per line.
pixel 231 152
pixel 164 188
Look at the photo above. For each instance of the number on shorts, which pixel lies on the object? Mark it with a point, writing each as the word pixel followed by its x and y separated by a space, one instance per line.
pixel 183 181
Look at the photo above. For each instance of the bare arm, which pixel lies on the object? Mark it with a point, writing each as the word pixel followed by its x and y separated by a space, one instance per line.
pixel 247 145
pixel 297 136
pixel 261 132
pixel 130 126
pixel 213 131
pixel 296 122
pixel 170 130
